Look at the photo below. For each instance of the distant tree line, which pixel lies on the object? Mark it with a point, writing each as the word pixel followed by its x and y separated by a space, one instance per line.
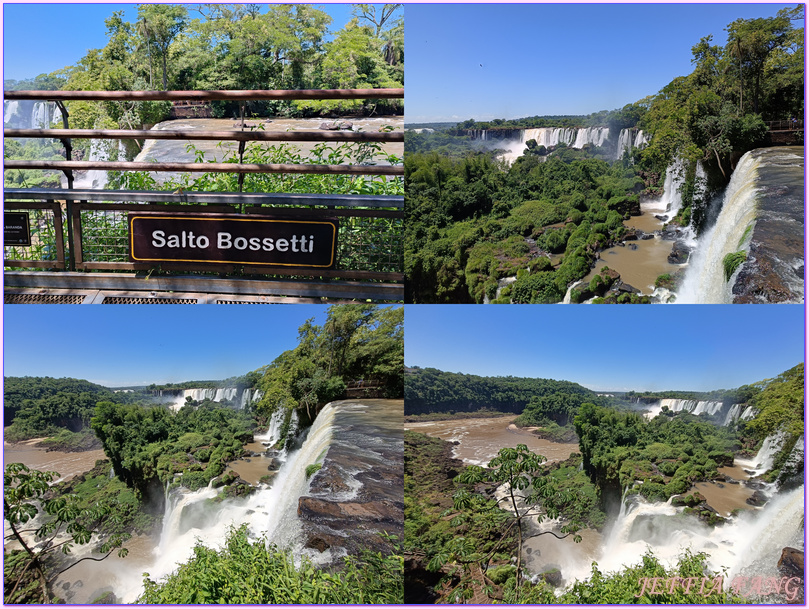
pixel 430 390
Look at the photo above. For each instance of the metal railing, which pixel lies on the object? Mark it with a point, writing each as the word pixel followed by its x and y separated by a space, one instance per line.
pixel 793 124
pixel 370 240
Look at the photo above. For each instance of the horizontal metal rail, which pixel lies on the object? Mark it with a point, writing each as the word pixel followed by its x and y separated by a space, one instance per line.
pixel 237 136
pixel 208 95
pixel 208 167
pixel 128 281
pixel 209 198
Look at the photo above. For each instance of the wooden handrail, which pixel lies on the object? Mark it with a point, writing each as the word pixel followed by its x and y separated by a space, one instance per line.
pixel 208 167
pixel 238 136
pixel 208 95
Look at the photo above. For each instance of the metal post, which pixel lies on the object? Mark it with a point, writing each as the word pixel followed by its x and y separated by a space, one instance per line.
pixel 66 142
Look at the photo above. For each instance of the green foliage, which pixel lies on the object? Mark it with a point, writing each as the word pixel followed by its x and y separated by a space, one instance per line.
pixel 43 406
pixel 357 343
pixel 647 582
pixel 431 390
pixel 666 454
pixel 149 445
pixel 251 572
pixel 366 153
pixel 780 405
pixel 731 262
pixel 61 522
pixel 312 469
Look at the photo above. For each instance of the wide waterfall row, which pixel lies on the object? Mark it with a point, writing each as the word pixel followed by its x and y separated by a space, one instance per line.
pixel 575 138
pixel 30 114
pixel 696 407
pixel 242 398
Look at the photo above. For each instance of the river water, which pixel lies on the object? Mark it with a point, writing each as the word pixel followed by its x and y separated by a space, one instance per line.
pixel 67 465
pixel 479 440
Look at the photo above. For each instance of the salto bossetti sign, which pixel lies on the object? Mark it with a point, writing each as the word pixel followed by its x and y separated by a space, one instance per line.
pixel 232 239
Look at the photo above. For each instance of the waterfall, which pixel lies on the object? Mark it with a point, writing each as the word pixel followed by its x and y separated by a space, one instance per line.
pixel 750 543
pixel 270 511
pixel 100 150
pixel 765 457
pixel 243 399
pixel 704 281
pixel 696 407
pixel 732 415
pixel 30 114
pixel 575 138
pixel 671 200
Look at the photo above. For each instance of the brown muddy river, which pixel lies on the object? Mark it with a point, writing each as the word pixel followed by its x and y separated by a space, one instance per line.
pixel 481 439
pixel 639 262
pixel 66 465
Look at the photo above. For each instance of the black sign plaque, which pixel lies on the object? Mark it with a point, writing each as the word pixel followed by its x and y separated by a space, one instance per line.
pixel 16 228
pixel 232 239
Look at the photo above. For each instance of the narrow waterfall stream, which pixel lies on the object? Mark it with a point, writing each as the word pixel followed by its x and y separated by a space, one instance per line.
pixel 762 218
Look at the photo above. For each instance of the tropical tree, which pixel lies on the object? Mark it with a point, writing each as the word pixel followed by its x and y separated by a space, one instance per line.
pixel 527 493
pixel 54 525
pixel 163 22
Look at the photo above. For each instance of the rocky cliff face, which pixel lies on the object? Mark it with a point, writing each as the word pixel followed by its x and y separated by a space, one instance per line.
pixel 359 491
pixel 773 272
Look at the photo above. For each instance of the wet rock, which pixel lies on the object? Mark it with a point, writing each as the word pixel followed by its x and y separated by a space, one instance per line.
pixel 553 577
pixel 337 126
pixel 274 464
pixel 631 235
pixel 632 246
pixel 679 253
pixel 624 288
pixel 107 598
pixel 239 488
pixel 647 236
pixel 268 478
pixel 312 508
pixel 758 499
pixel 791 562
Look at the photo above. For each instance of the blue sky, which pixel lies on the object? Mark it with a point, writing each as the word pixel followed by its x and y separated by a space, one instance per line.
pixel 142 344
pixel 58 35
pixel 622 348
pixel 513 60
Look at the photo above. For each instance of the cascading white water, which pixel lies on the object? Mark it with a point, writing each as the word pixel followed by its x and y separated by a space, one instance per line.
pixel 733 415
pixel 553 136
pixel 750 543
pixel 695 407
pixel 575 138
pixel 704 281
pixel 30 114
pixel 270 512
pixel 765 457
pixel 671 200
pixel 244 398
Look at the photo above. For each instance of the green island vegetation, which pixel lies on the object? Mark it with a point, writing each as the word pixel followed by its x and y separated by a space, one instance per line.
pixel 147 445
pixel 463 542
pixel 473 219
